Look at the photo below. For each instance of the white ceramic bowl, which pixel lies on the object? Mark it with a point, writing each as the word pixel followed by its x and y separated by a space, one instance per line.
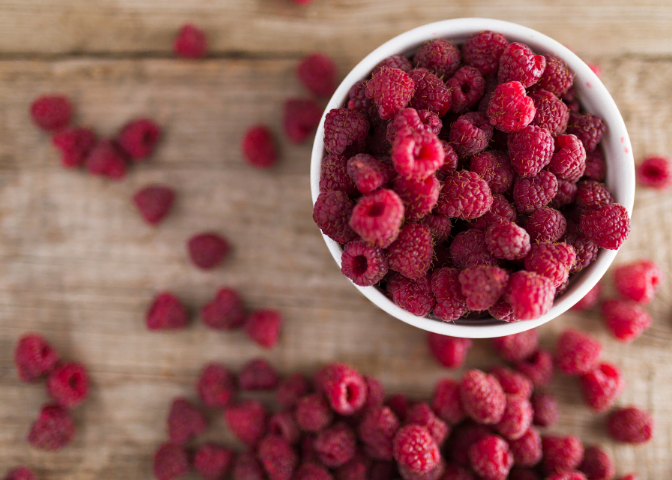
pixel 594 97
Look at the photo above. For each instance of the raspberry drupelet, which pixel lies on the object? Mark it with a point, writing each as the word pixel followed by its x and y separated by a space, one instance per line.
pixel 519 63
pixel 377 217
pixel 602 386
pixel 391 89
pixel 364 264
pixel 510 109
pixel 638 281
pixel 411 253
pixel 448 351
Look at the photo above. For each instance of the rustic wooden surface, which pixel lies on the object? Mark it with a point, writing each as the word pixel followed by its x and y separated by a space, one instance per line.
pixel 78 265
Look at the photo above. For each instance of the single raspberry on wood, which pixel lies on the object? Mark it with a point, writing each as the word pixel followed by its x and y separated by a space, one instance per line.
pixel 546 225
pixel 258 374
pixel 368 173
pixel 68 384
pixel 213 462
pixel 34 357
pixel 344 387
pixel 514 384
pixel 440 57
pixel 470 134
pixel 166 313
pixel 638 281
pixel 596 464
pixel 546 409
pixel 448 351
pixel 655 172
pixel 607 227
pixel 20 473
pixel 430 92
pixel 466 88
pixel 377 430
pixel 495 168
pixel 395 61
pixel 207 250
pixel 551 260
pixel 190 42
pixel 516 347
pixel 561 453
pixel 530 149
pixel 533 193
pixel 225 311
pixel 170 461
pixel 551 112
pixel 577 352
pixel 589 300
pixel 51 112
pixel 345 131
pixel 247 421
pixel 630 425
pixel 75 144
pixel 154 202
pixel 490 458
pixel 414 296
pixel 538 367
pixel 557 77
pixel 291 389
pixel 106 160
pixel 53 429
pixel 415 449
pixel 259 148
pixel 332 212
pixel 391 90
pixel 300 118
pixel 336 445
pixel 317 72
pixel 464 195
pixel 526 449
pixel 417 155
pixel 507 240
pixel 446 402
pixel 625 320
pixel 519 63
pixel 588 128
pixel 509 108
pixel 517 418
pixel 263 326
pixel 420 197
pixel 483 50
pixel 313 412
pixel 138 138
pixel 377 217
pixel 411 253
pixel 364 264
pixel 216 385
pixel 482 397
pixel 450 303
pixel 482 285
pixel 185 421
pixel 277 457
pixel 569 158
pixel 334 175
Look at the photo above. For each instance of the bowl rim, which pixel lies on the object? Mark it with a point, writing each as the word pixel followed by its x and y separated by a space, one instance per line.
pixel 620 176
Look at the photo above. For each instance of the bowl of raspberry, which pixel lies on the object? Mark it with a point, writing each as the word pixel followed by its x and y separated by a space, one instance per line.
pixel 473 178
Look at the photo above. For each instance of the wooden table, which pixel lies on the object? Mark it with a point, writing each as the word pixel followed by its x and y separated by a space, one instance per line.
pixel 78 265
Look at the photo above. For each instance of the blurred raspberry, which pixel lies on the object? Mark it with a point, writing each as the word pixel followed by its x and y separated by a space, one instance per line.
pixel 561 453
pixel 34 357
pixel 225 311
pixel 170 461
pixel 470 134
pixel 655 172
pixel 312 471
pixel 344 387
pixel 213 462
pixel 466 88
pixel 277 457
pixel 538 367
pixel 482 397
pixel 461 440
pixel 166 313
pixel 420 197
pixel 20 473
pixel 625 320
pixel 551 113
pixel 415 449
pixel 596 165
pixel 526 449
pixel 602 386
pixel 375 393
pixel 569 158
pixel 334 175
pixel 377 430
pixel 263 327
pixel 588 128
pixel 75 144
pixel 247 421
pixel 68 384
pixel 291 389
pixel 435 473
pixel 551 260
pixel 345 131
pixel 300 118
pixel 589 300
pixel 430 92
pixel 391 90
pixel 483 50
pixel 336 445
pixel 567 475
pixel 258 374
pixel 51 112
pixel 106 160
pixel 216 385
pixel 448 351
pixel 464 195
pixel 185 421
pixel 490 458
pixel 546 409
pixel 368 173
pixel 190 42
pixel 557 77
pixel 630 425
pixel 450 303
pixel 514 384
pixel 377 217
pixel 440 57
pixel 53 429
pixel 509 108
pixel 607 227
pixel 421 414
pixel 259 148
pixel 517 418
pixel 417 155
pixel 414 296
pixel 531 194
pixel 482 285
pixel 154 202
pixel 507 240
pixel 516 347
pixel 577 352
pixel 638 281
pixel 596 464
pixel 313 412
pixel 446 402
pixel 332 212
pixel 530 149
pixel 519 63
pixel 207 250
pixel 399 404
pixel 138 138
pixel 317 72
pixel 495 168
pixel 364 264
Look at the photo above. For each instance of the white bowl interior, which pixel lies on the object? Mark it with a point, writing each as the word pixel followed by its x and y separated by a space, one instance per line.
pixel 595 99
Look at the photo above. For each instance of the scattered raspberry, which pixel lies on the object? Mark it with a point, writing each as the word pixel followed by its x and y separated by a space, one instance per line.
pixel 20 473
pixel 551 260
pixel 546 225
pixel 513 383
pixel 368 173
pixel 410 121
pixel 607 227
pixel 259 148
pixel 417 155
pixel 291 389
pixel 655 172
pixel 213 462
pixel 377 430
pixel 215 386
pixel 490 458
pixel 414 296
pixel 344 387
pixel 517 418
pixel 68 384
pixel 531 194
pixel 464 195
pixel 588 128
pixel 483 50
pixel 500 210
pixel 34 357
pixel 466 87
pixel 448 351
pixel 510 109
pixel 569 158
pixel 526 449
pixel 154 202
pixel 395 61
pixel 334 175
pixel 430 92
pixel 51 112
pixel 138 138
pixel 185 421
pixel 258 374
pixel 364 264
pixel 336 445
pixel 446 401
pixel 596 464
pixel 247 467
pixel 557 77
pixel 450 303
pixel 170 461
pixel 596 165
pixel 530 149
pixel 317 72
pixel 586 251
pixel 495 168
pixel 516 347
pixel 421 414
pixel 190 42
pixel 277 457
pixel 592 195
pixel 420 197
pixel 312 471
pixel 332 213
pixel 75 144
pixel 225 311
pixel 411 253
pixel 546 409
pixel 166 313
pixel 263 327
pixel 345 131
pixel 300 118
pixel 502 311
pixel 313 413
pixel 482 285
pixel 507 240
pixel 561 453
pixel 625 319
pixel 538 368
pixel 391 90
pixel 415 449
pixel 482 397
pixel 551 112
pixel 440 57
pixel 106 160
pixel 589 300
pixel 207 250
pixel 377 217
pixel 638 281
pixel 470 134
pixel 53 429
pixel 576 352
pixel 247 421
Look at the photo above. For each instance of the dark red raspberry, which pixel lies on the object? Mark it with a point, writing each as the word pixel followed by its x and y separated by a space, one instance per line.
pixel 462 438
pixel 417 155
pixel 435 473
pixel 411 253
pixel 420 197
pixel 395 61
pixel 355 469
pixel 502 311
pixel 68 384
pixel 514 384
pixel 551 113
pixel 259 148
pixel 519 63
pixel 377 430
pixel 375 393
pixel 399 404
pixel 490 458
pixel 185 421
pixel 440 57
pixel 414 296
pixel 300 118
pixel 75 143
pixel 336 445
pixel 607 227
pixel 483 49
pixel 207 250
pixel 368 173
pixel 625 320
pixel 557 77
pixel 551 260
pixel 263 327
pixel 507 240
pixel 430 92
pixel 530 149
pixel 345 131
pixel 589 300
pixel 531 194
pixel 586 251
pixel 630 425
pixel 638 281
pixel 313 413
pixel 332 212
pixel 344 387
pixel 138 138
pixel 215 386
pixel 482 397
pixel 561 453
pixel 166 313
pixel 225 311
pixel 470 134
pixel 516 347
pixel 538 367
pixel 53 429
pixel 170 461
pixel 546 225
pixel 596 464
pixel 415 448
pixel 106 160
pixel 520 473
pixel 588 128
pixel 510 109
pixel 577 352
pixel 364 264
pixel 546 409
pixel 291 389
pixel 247 467
pixel 213 462
pixel 500 210
pixel 592 195
pixel 566 194
pixel 190 42
pixel 464 195
pixel 317 72
pixel 655 172
pixel 247 421
pixel 421 414
pixel 334 175
pixel 596 165
pixel 377 217
pixel 449 162
pixel 277 457
pixel 567 475
pixel 448 351
pixel 410 121
pixel 20 473
pixel 154 202
pixel 312 471
pixel 495 168
pixel 51 112
pixel 450 303
pixel 34 357
pixel 258 374
pixel 517 418
pixel 466 87
pixel 391 90
pixel 569 160
pixel 357 100
pixel 526 449
pixel 482 285
pixel 446 402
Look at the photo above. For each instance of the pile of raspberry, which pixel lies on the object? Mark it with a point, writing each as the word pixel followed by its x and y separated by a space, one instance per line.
pixel 466 182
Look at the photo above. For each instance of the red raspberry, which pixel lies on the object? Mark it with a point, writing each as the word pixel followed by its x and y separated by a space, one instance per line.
pixel 190 42
pixel 300 118
pixel 592 195
pixel 516 347
pixel 357 100
pixel 561 453
pixel 377 430
pixel 546 225
pixel 336 445
pixel 655 172
pixel 68 384
pixel 531 194
pixel 259 148
pixel 170 461
pixel 500 210
pixel 530 149
pixel 420 197
pixel 446 401
pixel 34 357
pixel 625 319
pixel 312 471
pixel 334 175
pixel 332 212
pixel 430 92
pixel 576 352
pixel 317 72
pixel 495 168
pixel 513 383
pixel 247 467
pixel 415 449
pixel 482 397
pixel 490 458
pixel 517 418
pixel 483 49
pixel 638 281
pixel 630 425
pixel 410 121
pixel 398 403
pixel 502 311
pixel 138 138
pixel 551 260
pixel 213 462
pixel 225 311
pixel 344 387
pixel 20 473
pixel 377 217
pixel 345 131
pixel 215 386
pixel 450 303
pixel 166 313
pixel 466 87
pixel 596 165
pixel 277 457
pixel 589 300
pixel 538 368
pixel 470 134
pixel 263 327
pixel 566 194
pixel 448 351
pixel 557 78
pixel 75 144
pixel 53 429
pixel 482 285
pixel 569 160
pixel 414 296
pixel 510 109
pixel 207 250
pixel 449 162
pixel 154 202
pixel 291 389
pixel 567 475
pixel 464 195
pixel 586 251
pixel 588 128
pixel 507 240
pixel 440 57
pixel 395 61
pixel 519 473
pixel 247 421
pixel 313 413
pixel 461 440
pixel 375 393
pixel 185 421
pixel 519 63
pixel 551 113
pixel 51 112
pixel 106 160
pixel 356 469
pixel 258 374
pixel 411 253
pixel 526 449
pixel 435 473
pixel 391 90
pixel 546 410
pixel 630 476
pixel 596 464
pixel 607 227
pixel 417 155
pixel 364 264
pixel 368 173
pixel 421 414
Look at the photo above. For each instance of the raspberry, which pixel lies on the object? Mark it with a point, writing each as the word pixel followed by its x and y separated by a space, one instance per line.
pixel 215 386
pixel 576 352
pixel 592 195
pixel 462 438
pixel 571 100
pixel 213 462
pixel 225 311
pixel 517 418
pixel 509 108
pixel 391 90
pixel 207 250
pixel 516 347
pixel 561 453
pixel 355 469
pixel 588 128
pixel 526 449
pixel 519 473
pixel 247 467
pixel 495 168
pixel 412 251
pixel 638 281
pixel 258 374
pixel 75 143
pixel 551 260
pixel 259 148
pixel 420 197
pixel 332 213
pixel 607 227
pixel 68 384
pixel 557 78
pixel 414 296
pixel 448 351
pixel 375 393
pixel 368 173
pixel 415 449
pixel 507 240
pixel 185 421
pixel 482 397
pixel 300 118
pixel 470 134
pixel 291 389
pixel 263 327
pixel 435 473
pixel 519 63
pixel 51 112
pixel 446 401
pixel 138 138
pixel 430 92
pixel 106 160
pixel 551 113
pixel 53 429
pixel 566 194
pixel 546 410
pixel 530 149
pixel 377 430
pixel 630 476
pixel 277 458
pixel 395 61
pixel 589 300
pixel 247 421
pixel 313 413
pixel 625 319
pixel 170 461
pixel 336 445
pixel 538 368
pixel 569 160
pixel 466 87
pixel 166 313
pixel 490 458
pixel 344 387
pixel 398 403
pixel 364 264
pixel 334 175
pixel 154 202
pixel 531 194
pixel 464 195
pixel 357 100
pixel 317 72
pixel 596 166
pixel 34 357
pixel 377 217
pixel 500 210
pixel 502 311
pixel 482 285
pixel 596 464
pixel 417 155
pixel 450 303
pixel 546 225
pixel 586 251
pixel 312 471
pixel 20 473
pixel 449 161
pixel 567 475
pixel 410 121
pixel 345 131
pixel 483 49
pixel 513 383
pixel 655 172
pixel 421 414
pixel 190 42
pixel 440 57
